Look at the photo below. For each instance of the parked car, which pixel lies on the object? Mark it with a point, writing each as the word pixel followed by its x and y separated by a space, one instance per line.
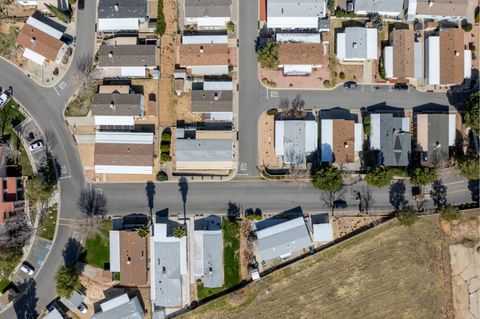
pixel 26 268
pixel 82 308
pixel 400 86
pixel 36 145
pixel 81 4
pixel 340 204
pixel 350 85
pixel 4 97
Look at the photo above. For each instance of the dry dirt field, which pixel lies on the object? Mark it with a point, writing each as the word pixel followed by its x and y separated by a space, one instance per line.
pixel 389 272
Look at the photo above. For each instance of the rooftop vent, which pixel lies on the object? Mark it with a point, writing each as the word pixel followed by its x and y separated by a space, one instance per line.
pixel 110 54
pixel 456 53
pixel 116 7
pixel 430 3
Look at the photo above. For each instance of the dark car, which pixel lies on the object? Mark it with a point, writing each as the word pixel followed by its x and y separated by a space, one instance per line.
pixel 81 4
pixel 350 85
pixel 400 87
pixel 340 204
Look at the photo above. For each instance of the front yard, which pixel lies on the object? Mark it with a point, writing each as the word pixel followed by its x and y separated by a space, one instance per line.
pixel 97 246
pixel 82 103
pixel 48 221
pixel 8 262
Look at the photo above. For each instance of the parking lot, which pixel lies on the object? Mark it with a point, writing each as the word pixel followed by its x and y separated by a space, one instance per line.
pixel 33 141
pixel 36 258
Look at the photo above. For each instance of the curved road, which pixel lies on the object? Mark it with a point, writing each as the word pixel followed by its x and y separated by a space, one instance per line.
pixel 46 106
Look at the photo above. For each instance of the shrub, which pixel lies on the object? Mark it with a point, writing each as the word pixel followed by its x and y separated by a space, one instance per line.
pixel 449 213
pixel 341 76
pixel 376 19
pixel 268 55
pixel 407 216
pixel 328 178
pixel 62 15
pixel 469 167
pixel 423 176
pixel 179 232
pixel 162 176
pixel 467 27
pixel 72 2
pixel 381 68
pixel 269 83
pixel 230 26
pixel 379 177
pixel 166 137
pixel 165 158
pixel 477 15
pixel 472 114
pixel 366 124
pixel 165 148
pixel 55 71
pixel 326 83
pixel 272 112
pixel 161 25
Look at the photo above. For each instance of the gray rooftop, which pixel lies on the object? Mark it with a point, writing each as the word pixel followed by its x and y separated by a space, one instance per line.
pixel 379 5
pixel 127 55
pixel 208 233
pixel 125 9
pixel 74 301
pixel 168 286
pixel 395 142
pixel 438 129
pixel 212 101
pixel 129 310
pixel 356 42
pixel 207 8
pixel 289 8
pixel 283 238
pixel 189 150
pixel 117 104
pixel 294 142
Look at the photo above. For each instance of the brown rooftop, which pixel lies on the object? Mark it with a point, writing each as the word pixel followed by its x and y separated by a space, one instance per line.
pixel 39 42
pixel 124 154
pixel 300 53
pixel 403 54
pixel 133 259
pixel 203 54
pixel 344 141
pixel 451 56
pixel 442 7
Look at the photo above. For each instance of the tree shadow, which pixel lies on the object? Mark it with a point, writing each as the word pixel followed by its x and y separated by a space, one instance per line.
pixel 25 306
pixel 233 211
pixel 183 189
pixel 397 194
pixel 150 191
pixel 73 252
pixel 474 188
pixel 439 193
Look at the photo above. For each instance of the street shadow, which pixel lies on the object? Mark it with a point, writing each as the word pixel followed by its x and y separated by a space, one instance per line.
pixel 73 252
pixel 133 221
pixel 279 218
pixel 382 108
pixel 474 188
pixel 211 223
pixel 397 194
pixel 431 108
pixel 25 306
pixel 338 113
pixel 161 215
pixel 439 193
pixel 150 191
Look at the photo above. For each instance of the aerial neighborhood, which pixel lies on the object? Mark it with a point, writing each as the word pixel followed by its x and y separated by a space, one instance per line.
pixel 239 159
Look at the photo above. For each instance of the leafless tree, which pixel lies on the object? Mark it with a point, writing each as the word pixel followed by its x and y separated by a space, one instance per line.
pixel 249 236
pixel 92 202
pixel 329 198
pixel 284 105
pixel 15 232
pixel 439 157
pixel 85 71
pixel 298 106
pixel 364 197
pixel 9 152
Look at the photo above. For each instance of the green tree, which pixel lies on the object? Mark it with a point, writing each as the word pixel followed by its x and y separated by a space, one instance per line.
pixel 161 25
pixel 379 177
pixel 407 216
pixel 143 231
pixel 67 281
pixel 472 112
pixel 65 16
pixel 328 178
pixel 449 213
pixel 6 116
pixel 469 167
pixel 376 19
pixel 38 190
pixel 366 124
pixel 331 6
pixel 230 26
pixel 467 27
pixel 268 55
pixel 341 76
pixel 179 232
pixel 165 148
pixel 423 176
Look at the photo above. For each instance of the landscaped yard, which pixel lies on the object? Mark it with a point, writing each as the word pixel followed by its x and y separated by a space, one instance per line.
pixel 47 224
pixel 8 262
pixel 231 259
pixel 97 245
pixel 7 42
pixel 82 103
pixel 389 272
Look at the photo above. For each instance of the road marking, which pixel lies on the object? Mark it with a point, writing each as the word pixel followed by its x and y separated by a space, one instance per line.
pixel 266 92
pixel 55 88
pixel 453 183
pixel 65 177
pixel 62 85
pixel 274 94
pixel 243 166
pixel 240 174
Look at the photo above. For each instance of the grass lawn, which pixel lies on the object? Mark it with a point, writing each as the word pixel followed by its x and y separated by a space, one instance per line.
pixel 231 259
pixel 47 224
pixel 82 103
pixel 390 272
pixel 97 246
pixel 7 42
pixel 8 262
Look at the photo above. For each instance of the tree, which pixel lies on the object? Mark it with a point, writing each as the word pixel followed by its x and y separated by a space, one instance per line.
pixel 16 232
pixel 449 213
pixel 472 112
pixel 161 25
pixel 364 197
pixel 439 194
pixel 84 72
pixel 328 178
pixel 467 27
pixel 268 55
pixel 92 202
pixel 179 232
pixel 379 177
pixel 376 19
pixel 6 116
pixel 67 281
pixel 407 216
pixel 423 176
pixel 143 231
pixel 469 167
pixel 38 191
pixel 65 16
pixel 331 6
pixel 366 124
pixel 341 76
pixel 230 26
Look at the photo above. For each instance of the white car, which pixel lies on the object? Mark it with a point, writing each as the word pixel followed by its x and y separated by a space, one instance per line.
pixel 36 145
pixel 27 269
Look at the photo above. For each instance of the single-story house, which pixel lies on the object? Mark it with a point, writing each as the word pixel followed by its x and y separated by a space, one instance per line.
pixel 73 301
pixel 127 60
pixel 285 37
pixel 302 14
pixel 168 268
pixel 46 25
pixel 213 105
pixel 295 139
pixel 403 57
pixel 204 154
pixel 300 58
pixel 280 238
pixel 53 314
pixel 123 153
pixel 205 59
pixel 389 8
pixel 115 16
pixel 207 14
pixel 121 307
pixel 341 140
pixel 208 251
pixel 39 46
pixel 128 256
pixel 445 61
pixel 436 132
pixel 117 108
pixel 357 44
pixel 438 9
pixel 205 39
pixel 12 198
pixel 390 137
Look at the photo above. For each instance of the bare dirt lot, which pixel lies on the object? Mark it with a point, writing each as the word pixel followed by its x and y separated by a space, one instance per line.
pixel 389 272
